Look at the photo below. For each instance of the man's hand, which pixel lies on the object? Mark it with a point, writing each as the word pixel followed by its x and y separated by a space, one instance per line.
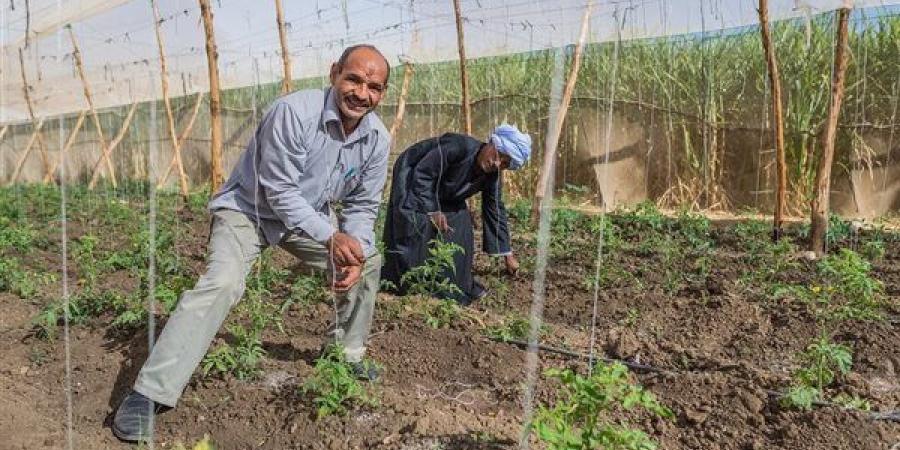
pixel 346 277
pixel 439 220
pixel 345 250
pixel 512 264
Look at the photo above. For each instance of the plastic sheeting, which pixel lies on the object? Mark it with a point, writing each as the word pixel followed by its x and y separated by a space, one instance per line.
pixel 121 58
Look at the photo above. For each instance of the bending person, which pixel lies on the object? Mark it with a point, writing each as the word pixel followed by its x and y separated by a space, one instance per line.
pixel 312 150
pixel 431 182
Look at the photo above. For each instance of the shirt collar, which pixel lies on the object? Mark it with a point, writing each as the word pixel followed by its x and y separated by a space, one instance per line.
pixel 331 113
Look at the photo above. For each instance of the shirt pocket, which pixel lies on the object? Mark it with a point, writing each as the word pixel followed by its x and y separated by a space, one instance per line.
pixel 348 185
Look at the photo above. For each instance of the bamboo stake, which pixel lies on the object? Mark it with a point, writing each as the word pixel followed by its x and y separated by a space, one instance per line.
pixel 463 75
pixel 550 152
pixel 408 71
pixel 164 78
pixel 216 176
pixel 42 146
pixel 96 119
pixel 115 142
pixel 34 136
pixel 184 134
pixel 820 202
pixel 777 117
pixel 62 153
pixel 285 56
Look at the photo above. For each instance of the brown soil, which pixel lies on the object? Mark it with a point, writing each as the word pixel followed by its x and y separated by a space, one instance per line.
pixel 724 351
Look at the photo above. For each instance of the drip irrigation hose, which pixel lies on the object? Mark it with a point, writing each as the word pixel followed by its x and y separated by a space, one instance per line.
pixel 560 351
pixel 891 416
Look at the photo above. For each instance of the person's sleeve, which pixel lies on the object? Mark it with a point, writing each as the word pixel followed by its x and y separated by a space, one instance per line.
pixel 495 228
pixel 361 205
pixel 445 151
pixel 282 153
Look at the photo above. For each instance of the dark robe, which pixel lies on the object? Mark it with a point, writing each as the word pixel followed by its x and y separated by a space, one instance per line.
pixel 439 174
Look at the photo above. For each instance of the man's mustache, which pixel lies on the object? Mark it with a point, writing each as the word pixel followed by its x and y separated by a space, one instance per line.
pixel 358 101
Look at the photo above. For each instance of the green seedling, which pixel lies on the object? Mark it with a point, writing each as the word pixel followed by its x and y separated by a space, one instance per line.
pixel 16 236
pixel 334 387
pixel 512 328
pixel 241 358
pixel 873 250
pixel 306 290
pixel 822 362
pixel 631 317
pixel 440 313
pixel 430 278
pixel 850 292
pixel 46 322
pixel 582 418
pixel 848 401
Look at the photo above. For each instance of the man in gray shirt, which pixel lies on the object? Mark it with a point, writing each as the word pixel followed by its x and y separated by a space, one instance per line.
pixel 313 150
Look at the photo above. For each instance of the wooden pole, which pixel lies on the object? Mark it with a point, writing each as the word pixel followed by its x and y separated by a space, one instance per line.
pixel 550 151
pixel 408 71
pixel 62 153
pixel 463 75
pixel 35 132
pixel 285 55
pixel 184 134
pixel 96 119
pixel 164 79
pixel 777 117
pixel 820 201
pixel 42 146
pixel 125 125
pixel 216 176
pixel 112 144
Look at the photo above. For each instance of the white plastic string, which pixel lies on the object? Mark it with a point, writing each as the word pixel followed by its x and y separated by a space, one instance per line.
pixel 64 238
pixel 153 171
pixel 543 243
pixel 606 201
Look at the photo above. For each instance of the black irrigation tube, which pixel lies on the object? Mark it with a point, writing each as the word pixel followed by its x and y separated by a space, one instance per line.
pixel 546 348
pixel 893 416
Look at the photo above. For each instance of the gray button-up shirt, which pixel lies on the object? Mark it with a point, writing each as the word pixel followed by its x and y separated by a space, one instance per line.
pixel 299 164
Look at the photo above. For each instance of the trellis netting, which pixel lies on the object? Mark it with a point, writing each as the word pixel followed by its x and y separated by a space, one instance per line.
pixel 690 111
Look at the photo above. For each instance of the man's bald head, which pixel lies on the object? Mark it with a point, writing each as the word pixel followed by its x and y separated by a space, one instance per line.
pixel 359 79
pixel 349 51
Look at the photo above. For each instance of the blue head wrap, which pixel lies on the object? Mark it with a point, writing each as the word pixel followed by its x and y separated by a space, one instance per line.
pixel 509 140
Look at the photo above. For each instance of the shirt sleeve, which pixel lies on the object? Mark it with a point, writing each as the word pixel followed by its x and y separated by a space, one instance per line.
pixel 282 153
pixel 495 226
pixel 361 205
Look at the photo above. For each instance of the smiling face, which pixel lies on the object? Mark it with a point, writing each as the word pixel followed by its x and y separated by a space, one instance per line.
pixel 359 85
pixel 490 160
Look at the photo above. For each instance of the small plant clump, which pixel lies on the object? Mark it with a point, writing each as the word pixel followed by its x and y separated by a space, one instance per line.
pixel 582 417
pixel 847 290
pixel 823 362
pixel 306 290
pixel 430 278
pixel 333 385
pixel 512 328
pixel 440 313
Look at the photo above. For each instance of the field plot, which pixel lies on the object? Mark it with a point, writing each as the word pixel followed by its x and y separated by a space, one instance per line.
pixel 703 197
pixel 743 343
